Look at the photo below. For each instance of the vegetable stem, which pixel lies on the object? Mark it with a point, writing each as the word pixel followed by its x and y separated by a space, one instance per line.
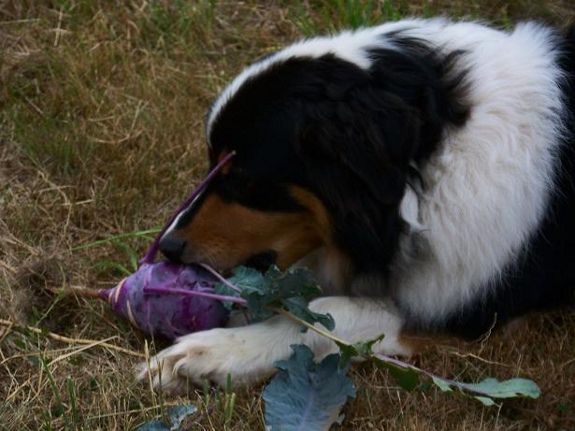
pixel 219 277
pixel 461 386
pixel 310 326
pixel 185 292
pixel 383 358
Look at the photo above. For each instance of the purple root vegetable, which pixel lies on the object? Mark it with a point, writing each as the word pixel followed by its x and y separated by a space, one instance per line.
pixel 168 299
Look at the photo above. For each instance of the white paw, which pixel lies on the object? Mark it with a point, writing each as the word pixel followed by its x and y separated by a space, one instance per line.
pixel 249 352
pixel 246 353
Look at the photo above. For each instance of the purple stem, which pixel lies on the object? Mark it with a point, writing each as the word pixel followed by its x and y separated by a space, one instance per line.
pixel 104 294
pixel 153 250
pixel 219 277
pixel 407 365
pixel 185 292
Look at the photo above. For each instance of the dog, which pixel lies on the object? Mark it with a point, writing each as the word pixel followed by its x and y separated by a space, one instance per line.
pixel 424 169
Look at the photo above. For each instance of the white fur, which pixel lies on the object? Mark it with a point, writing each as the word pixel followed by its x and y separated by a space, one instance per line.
pixel 181 214
pixel 248 352
pixel 487 188
pixel 485 192
pixel 409 210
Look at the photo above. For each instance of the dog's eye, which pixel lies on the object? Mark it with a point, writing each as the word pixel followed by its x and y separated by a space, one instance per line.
pixel 236 184
pixel 239 176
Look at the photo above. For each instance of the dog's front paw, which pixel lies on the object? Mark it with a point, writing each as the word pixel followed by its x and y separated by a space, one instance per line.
pixel 246 353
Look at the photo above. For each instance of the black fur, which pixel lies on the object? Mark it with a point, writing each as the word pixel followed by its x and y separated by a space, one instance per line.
pixel 346 134
pixel 350 136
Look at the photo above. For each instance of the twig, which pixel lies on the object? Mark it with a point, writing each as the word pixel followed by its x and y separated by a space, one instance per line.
pixel 20 21
pixel 33 105
pixel 64 339
pixel 479 358
pixel 85 292
pixel 57 38
pixel 81 349
pixel 6 332
pixel 43 353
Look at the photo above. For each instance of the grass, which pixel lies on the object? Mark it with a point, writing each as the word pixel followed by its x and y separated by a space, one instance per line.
pixel 101 134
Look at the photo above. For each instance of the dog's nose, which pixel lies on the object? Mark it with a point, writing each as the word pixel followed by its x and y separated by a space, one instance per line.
pixel 172 247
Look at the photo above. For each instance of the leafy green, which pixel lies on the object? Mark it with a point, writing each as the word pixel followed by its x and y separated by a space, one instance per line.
pixel 490 388
pixel 293 289
pixel 309 396
pixel 175 415
pixel 405 377
pixel 305 395
pixel 290 290
pixel 362 348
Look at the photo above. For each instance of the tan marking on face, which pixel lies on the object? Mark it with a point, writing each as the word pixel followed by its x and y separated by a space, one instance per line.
pixel 319 214
pixel 227 234
pixel 228 166
pixel 336 265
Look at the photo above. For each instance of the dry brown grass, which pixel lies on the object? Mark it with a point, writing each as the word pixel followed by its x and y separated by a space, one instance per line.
pixel 102 105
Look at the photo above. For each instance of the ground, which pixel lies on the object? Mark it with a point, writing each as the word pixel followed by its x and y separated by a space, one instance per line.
pixel 101 134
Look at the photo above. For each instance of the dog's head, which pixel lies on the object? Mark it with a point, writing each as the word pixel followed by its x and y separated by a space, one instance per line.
pixel 323 152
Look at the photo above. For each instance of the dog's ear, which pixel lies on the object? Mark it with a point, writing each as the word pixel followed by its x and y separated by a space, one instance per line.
pixel 356 152
pixel 359 133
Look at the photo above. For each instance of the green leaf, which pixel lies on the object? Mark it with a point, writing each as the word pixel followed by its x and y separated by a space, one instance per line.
pixel 511 388
pixel 486 401
pixel 407 378
pixel 490 388
pixel 222 289
pixel 361 348
pixel 247 278
pixel 299 307
pixel 290 290
pixel 442 384
pixel 305 395
pixel 176 415
pixel 564 407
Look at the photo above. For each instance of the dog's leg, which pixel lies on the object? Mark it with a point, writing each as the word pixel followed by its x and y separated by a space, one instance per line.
pixel 249 352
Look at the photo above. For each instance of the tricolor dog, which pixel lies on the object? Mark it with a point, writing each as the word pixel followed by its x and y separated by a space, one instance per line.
pixel 424 169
